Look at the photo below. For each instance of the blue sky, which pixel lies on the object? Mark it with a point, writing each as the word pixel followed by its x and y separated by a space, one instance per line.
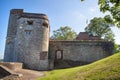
pixel 71 13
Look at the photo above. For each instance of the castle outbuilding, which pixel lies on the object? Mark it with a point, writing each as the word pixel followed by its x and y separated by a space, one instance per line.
pixel 28 42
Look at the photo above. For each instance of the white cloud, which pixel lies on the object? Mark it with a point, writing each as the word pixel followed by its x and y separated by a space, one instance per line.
pixel 78 15
pixel 95 12
pixel 77 20
pixel 73 18
pixel 94 9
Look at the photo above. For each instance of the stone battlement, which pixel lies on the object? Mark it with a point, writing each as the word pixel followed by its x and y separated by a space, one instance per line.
pixel 34 15
pixel 28 15
pixel 16 11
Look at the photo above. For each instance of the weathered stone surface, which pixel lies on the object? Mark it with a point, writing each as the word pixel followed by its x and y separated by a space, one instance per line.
pixel 85 51
pixel 28 42
pixel 12 65
pixel 27 39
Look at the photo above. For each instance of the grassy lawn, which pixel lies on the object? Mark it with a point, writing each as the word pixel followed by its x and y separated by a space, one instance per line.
pixel 105 69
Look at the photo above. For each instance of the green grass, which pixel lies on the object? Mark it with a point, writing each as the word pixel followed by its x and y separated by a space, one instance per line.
pixel 105 69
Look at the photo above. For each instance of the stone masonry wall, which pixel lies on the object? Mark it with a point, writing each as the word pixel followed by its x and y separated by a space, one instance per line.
pixel 11 34
pixel 31 43
pixel 12 65
pixel 86 51
pixel 28 39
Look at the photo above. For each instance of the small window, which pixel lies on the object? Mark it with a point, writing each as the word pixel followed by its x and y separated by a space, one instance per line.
pixel 27 32
pixel 30 22
pixel 45 24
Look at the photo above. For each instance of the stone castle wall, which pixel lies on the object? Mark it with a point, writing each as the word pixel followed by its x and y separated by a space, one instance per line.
pixel 85 51
pixel 11 34
pixel 28 39
pixel 32 42
pixel 28 42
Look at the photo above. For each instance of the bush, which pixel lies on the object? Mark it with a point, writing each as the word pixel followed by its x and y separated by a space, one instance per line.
pixel 116 48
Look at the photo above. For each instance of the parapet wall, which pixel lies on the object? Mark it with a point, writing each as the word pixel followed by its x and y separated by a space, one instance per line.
pixel 16 11
pixel 85 51
pixel 12 65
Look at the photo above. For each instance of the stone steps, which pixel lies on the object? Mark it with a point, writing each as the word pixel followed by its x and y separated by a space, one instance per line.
pixel 6 73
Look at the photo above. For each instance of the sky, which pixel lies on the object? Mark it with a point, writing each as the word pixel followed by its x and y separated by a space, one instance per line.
pixel 72 13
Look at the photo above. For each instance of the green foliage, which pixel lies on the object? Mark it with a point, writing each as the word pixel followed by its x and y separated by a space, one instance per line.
pixel 99 27
pixel 112 6
pixel 105 69
pixel 116 48
pixel 82 0
pixel 64 33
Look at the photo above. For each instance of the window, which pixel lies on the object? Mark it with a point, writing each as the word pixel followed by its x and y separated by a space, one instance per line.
pixel 45 24
pixel 30 22
pixel 59 54
pixel 28 32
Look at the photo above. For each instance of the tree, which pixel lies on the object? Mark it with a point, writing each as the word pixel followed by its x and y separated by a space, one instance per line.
pixel 112 6
pixel 99 27
pixel 116 48
pixel 64 33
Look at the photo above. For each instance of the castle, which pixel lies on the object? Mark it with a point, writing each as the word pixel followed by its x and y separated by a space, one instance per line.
pixel 28 42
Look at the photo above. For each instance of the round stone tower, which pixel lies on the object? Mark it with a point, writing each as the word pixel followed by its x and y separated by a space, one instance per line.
pixel 31 40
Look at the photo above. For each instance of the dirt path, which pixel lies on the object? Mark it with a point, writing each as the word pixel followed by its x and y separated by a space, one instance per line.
pixel 30 74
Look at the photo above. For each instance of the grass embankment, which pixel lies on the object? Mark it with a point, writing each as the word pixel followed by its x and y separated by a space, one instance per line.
pixel 105 69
